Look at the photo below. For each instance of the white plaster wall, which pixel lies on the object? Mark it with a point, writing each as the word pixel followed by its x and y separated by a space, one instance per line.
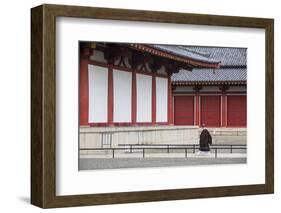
pixel 122 90
pixel 237 88
pixel 162 70
pixel 161 99
pixel 144 96
pixel 98 87
pixel 148 67
pixel 184 89
pixel 126 60
pixel 210 89
pixel 98 56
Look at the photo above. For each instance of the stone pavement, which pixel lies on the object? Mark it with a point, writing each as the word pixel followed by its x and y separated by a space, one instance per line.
pixel 153 160
pixel 94 163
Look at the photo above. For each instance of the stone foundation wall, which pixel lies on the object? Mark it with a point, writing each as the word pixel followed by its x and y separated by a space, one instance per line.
pixel 98 137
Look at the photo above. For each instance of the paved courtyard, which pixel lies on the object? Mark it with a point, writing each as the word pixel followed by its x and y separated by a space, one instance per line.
pixel 138 158
pixel 159 160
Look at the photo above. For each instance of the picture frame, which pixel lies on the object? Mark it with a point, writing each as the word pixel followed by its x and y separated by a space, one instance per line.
pixel 43 106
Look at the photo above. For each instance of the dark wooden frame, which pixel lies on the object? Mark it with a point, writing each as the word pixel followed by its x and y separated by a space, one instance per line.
pixel 43 105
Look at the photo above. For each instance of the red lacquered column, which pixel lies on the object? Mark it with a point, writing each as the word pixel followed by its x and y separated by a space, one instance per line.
pixel 84 85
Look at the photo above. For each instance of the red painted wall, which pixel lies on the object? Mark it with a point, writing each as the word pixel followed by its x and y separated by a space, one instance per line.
pixel 211 111
pixel 236 111
pixel 184 110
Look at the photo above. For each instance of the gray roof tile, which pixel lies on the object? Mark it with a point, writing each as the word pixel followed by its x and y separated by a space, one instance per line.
pixel 184 52
pixel 233 65
pixel 222 74
pixel 229 56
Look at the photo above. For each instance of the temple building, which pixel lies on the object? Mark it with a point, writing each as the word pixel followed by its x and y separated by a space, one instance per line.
pixel 213 97
pixel 161 93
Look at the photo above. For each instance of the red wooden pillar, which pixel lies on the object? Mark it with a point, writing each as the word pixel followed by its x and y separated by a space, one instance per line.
pixel 196 109
pixel 172 119
pixel 110 97
pixel 197 105
pixel 85 52
pixel 170 102
pixel 134 98
pixel 224 110
pixel 153 99
pixel 223 88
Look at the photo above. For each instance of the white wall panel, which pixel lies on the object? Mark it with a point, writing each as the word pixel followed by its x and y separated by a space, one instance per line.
pixel 98 95
pixel 122 93
pixel 144 96
pixel 161 99
pixel 98 56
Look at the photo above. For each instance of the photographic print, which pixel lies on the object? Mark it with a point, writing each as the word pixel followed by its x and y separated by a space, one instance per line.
pixel 155 105
pixel 155 100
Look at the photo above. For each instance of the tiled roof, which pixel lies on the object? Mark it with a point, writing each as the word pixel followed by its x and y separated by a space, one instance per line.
pixel 210 75
pixel 233 63
pixel 233 66
pixel 184 52
pixel 228 56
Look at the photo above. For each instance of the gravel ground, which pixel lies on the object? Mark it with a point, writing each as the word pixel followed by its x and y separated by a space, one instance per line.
pixel 103 163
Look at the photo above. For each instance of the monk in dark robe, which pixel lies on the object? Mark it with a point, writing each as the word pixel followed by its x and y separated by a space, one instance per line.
pixel 205 140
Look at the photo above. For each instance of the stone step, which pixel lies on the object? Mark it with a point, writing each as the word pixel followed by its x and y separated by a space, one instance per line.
pixel 230 140
pixel 220 132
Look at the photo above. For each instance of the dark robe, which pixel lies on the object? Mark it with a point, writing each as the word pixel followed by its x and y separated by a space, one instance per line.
pixel 205 140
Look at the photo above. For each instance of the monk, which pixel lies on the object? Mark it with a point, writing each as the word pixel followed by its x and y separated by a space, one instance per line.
pixel 205 140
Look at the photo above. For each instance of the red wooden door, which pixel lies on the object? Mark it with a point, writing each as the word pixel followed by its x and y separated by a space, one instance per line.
pixel 211 111
pixel 184 110
pixel 236 111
